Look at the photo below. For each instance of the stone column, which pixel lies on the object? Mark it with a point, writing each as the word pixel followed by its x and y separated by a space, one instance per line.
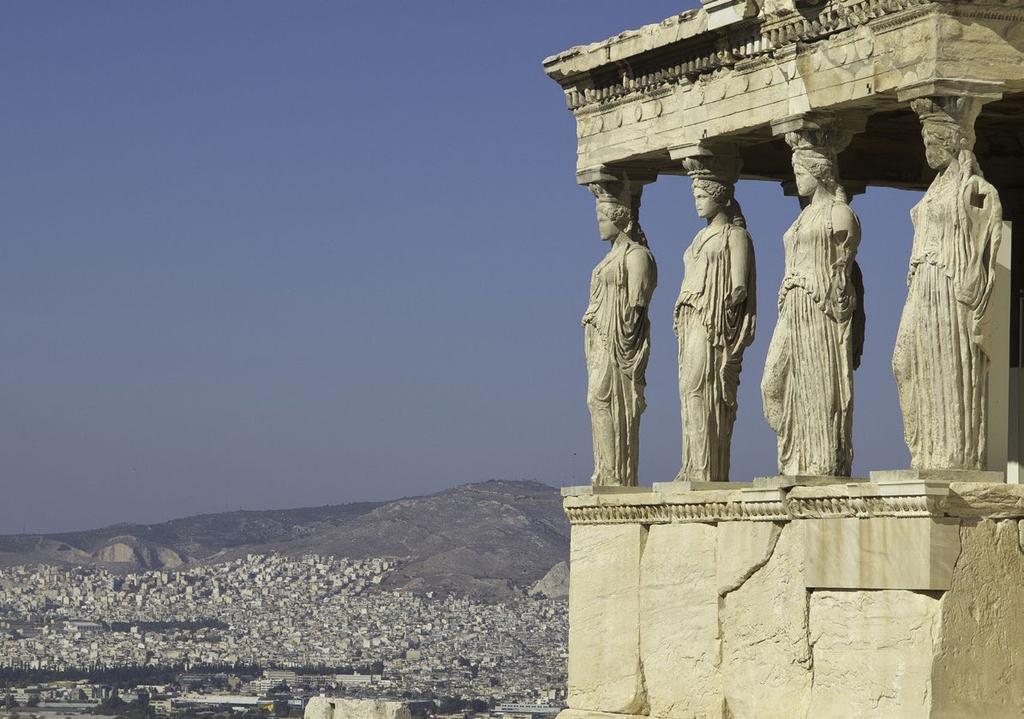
pixel 617 329
pixel 714 315
pixel 807 386
pixel 944 346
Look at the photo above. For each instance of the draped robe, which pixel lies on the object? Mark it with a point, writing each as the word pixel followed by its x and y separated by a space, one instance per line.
pixel 808 378
pixel 940 362
pixel 617 335
pixel 712 338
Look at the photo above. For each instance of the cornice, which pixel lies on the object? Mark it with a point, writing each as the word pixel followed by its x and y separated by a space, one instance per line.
pixel 742 44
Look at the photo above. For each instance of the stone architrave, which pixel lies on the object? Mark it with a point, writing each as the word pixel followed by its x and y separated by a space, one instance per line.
pixel 940 361
pixel 714 318
pixel 617 334
pixel 807 386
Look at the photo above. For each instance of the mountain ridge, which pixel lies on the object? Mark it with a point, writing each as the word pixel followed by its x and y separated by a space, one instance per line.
pixel 488 539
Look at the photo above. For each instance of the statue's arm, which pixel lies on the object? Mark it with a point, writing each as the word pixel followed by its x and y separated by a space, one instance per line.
pixel 846 237
pixel 739 259
pixel 846 231
pixel 640 278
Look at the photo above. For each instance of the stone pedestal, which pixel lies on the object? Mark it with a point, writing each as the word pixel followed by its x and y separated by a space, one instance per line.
pixel 823 600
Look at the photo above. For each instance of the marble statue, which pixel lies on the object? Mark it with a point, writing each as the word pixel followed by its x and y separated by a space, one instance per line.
pixel 617 335
pixel 714 321
pixel 808 377
pixel 940 362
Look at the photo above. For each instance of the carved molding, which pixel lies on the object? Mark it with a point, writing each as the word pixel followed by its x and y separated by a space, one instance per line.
pixel 679 513
pixel 929 499
pixel 756 39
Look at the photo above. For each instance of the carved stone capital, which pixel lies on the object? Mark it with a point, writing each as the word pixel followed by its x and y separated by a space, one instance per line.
pixel 716 162
pixel 623 187
pixel 950 87
pixel 950 102
pixel 949 111
pixel 811 122
pixel 633 177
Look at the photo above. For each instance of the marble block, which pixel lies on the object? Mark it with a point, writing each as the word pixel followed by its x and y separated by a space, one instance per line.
pixel 766 655
pixel 687 485
pixel 915 553
pixel 978 668
pixel 785 481
pixel 679 622
pixel 604 634
pixel 891 476
pixel 872 653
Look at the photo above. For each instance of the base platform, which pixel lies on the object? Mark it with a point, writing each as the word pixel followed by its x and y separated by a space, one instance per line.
pixel 852 599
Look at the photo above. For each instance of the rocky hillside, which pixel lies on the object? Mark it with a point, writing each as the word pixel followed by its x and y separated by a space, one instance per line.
pixel 488 539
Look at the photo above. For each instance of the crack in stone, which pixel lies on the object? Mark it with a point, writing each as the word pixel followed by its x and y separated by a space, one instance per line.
pixel 642 703
pixel 810 651
pixel 756 567
pixel 644 707
pixel 722 594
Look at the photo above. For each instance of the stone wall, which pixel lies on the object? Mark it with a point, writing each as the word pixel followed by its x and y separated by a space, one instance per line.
pixel 708 612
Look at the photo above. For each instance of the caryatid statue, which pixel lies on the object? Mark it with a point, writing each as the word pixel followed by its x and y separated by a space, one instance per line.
pixel 617 335
pixel 939 362
pixel 713 320
pixel 808 377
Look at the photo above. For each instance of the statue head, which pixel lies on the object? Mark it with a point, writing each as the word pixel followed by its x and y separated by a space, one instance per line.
pixel 614 210
pixel 714 181
pixel 711 197
pixel 947 128
pixel 815 160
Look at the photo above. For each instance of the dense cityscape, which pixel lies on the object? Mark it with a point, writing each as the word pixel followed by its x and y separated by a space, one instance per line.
pixel 269 631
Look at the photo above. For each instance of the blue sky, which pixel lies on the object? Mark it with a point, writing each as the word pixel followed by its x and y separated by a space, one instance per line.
pixel 266 254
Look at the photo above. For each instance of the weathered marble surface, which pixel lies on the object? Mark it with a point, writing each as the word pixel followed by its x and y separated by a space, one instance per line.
pixel 723 618
pixel 940 361
pixel 881 553
pixel 604 641
pixel 764 630
pixel 714 319
pixel 679 621
pixel 808 376
pixel 617 335
pixel 873 653
pixel 979 667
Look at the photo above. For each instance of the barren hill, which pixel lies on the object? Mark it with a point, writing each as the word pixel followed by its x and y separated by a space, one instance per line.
pixel 487 539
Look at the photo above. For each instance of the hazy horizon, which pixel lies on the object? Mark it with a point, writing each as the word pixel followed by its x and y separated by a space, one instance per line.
pixel 263 255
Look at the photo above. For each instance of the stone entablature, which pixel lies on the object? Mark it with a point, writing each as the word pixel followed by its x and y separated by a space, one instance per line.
pixel 643 94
